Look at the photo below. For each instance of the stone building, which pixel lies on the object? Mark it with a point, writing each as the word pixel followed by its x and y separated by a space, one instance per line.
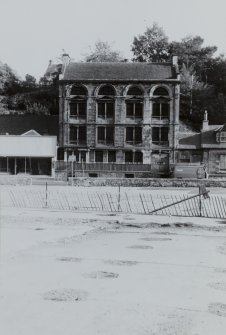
pixel 207 147
pixel 119 119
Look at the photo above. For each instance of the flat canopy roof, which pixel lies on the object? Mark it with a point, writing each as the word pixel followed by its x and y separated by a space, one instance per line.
pixel 27 146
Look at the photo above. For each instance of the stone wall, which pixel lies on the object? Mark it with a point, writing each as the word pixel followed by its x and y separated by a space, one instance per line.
pixel 151 182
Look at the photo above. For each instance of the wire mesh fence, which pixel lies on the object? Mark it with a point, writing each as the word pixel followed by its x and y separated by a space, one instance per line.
pixel 119 200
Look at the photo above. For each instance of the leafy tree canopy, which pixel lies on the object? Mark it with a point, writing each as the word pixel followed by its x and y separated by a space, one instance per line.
pixel 103 52
pixel 152 46
pixel 203 77
pixel 7 76
pixel 192 53
pixel 30 81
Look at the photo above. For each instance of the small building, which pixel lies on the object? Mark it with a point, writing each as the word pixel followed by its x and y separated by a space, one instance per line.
pixel 119 119
pixel 207 147
pixel 23 149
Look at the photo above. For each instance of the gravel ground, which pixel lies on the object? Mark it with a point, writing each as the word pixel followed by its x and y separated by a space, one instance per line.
pixel 94 273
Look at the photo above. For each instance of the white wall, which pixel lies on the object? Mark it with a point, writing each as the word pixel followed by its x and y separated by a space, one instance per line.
pixel 28 146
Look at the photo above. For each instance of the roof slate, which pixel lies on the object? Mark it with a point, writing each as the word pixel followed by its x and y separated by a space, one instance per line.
pixel 223 127
pixel 193 141
pixel 118 71
pixel 205 139
pixel 209 137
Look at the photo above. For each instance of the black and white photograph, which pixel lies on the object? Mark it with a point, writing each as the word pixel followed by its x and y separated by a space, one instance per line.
pixel 113 167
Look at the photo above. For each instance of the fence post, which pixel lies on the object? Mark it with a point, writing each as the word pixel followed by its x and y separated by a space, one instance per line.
pixel 46 195
pixel 72 173
pixel 119 197
pixel 200 202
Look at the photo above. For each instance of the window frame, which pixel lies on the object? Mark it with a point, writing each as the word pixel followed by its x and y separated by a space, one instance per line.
pixel 160 103
pixel 78 115
pixel 136 114
pixel 106 102
pixel 95 156
pixel 77 140
pixel 111 152
pixel 105 129
pixel 134 140
pixel 134 158
pixel 160 131
pixel 222 160
pixel 221 137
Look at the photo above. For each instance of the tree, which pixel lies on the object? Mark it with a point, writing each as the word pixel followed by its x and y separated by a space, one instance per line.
pixel 6 73
pixel 195 96
pixel 9 81
pixel 198 96
pixel 30 81
pixel 152 46
pixel 215 73
pixel 191 52
pixel 103 53
pixel 190 81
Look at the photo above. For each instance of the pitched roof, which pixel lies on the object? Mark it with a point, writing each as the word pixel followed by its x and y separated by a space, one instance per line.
pixel 20 124
pixel 209 139
pixel 222 128
pixel 52 69
pixel 31 132
pixel 118 71
pixel 191 142
pixel 205 139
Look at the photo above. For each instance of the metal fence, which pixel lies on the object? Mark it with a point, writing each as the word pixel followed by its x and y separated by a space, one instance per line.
pixel 68 167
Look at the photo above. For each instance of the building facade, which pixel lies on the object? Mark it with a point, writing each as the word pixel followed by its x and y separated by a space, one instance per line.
pixel 119 119
pixel 207 148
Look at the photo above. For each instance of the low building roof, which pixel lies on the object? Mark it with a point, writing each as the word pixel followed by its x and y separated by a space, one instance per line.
pixel 52 69
pixel 192 141
pixel 27 146
pixel 222 128
pixel 205 139
pixel 118 71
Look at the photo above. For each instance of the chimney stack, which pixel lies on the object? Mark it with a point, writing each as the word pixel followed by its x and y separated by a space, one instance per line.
pixel 175 60
pixel 65 59
pixel 205 122
pixel 175 65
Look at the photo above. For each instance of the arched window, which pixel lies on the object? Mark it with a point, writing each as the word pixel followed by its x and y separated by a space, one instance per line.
pixel 160 103
pixel 106 103
pixel 134 90
pixel 106 90
pixel 161 91
pixel 78 90
pixel 134 103
pixel 78 104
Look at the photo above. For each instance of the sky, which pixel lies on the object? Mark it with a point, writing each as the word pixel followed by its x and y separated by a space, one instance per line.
pixel 34 31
